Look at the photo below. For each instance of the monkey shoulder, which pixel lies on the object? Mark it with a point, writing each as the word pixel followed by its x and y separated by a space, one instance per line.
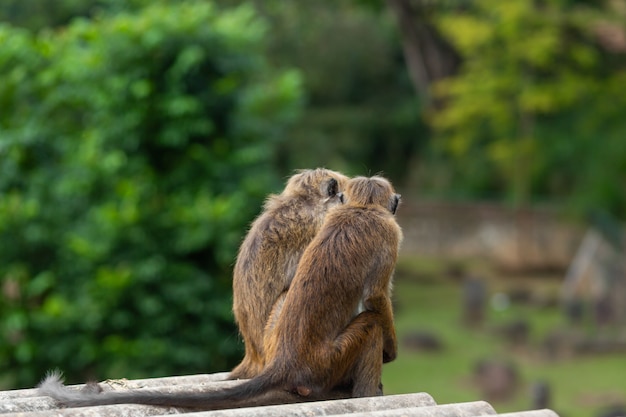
pixel 356 217
pixel 355 230
pixel 285 226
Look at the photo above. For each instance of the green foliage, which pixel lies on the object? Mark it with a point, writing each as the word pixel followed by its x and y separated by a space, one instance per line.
pixel 135 150
pixel 361 113
pixel 535 111
pixel 37 14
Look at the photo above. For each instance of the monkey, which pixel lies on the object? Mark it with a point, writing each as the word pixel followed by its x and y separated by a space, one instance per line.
pixel 333 327
pixel 360 192
pixel 270 252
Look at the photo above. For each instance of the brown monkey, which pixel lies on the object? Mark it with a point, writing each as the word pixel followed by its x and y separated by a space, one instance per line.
pixel 318 338
pixel 270 253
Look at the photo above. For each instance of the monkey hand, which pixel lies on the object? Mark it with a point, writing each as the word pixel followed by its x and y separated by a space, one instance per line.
pixel 390 350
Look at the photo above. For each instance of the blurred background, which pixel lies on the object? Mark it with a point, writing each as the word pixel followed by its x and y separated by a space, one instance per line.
pixel 139 138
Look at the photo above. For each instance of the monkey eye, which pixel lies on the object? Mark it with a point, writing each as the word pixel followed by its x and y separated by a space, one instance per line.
pixel 332 188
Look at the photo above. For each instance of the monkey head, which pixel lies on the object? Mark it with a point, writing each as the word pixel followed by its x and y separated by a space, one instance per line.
pixel 317 184
pixel 375 190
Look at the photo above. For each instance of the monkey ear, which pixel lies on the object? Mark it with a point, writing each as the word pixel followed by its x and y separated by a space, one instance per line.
pixel 332 188
pixel 395 201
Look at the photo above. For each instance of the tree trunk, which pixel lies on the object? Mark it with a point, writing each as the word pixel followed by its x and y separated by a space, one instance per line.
pixel 428 56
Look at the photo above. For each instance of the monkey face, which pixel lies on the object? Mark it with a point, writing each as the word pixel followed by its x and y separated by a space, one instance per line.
pixel 332 193
pixel 395 202
pixel 332 187
pixel 375 190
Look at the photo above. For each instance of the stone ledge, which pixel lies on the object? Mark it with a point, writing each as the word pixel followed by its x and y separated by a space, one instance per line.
pixel 28 403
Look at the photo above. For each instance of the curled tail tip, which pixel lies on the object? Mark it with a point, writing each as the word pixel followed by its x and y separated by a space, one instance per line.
pixel 52 386
pixel 53 381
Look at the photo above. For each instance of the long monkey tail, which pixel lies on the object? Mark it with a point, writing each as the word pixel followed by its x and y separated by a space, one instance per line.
pixel 260 390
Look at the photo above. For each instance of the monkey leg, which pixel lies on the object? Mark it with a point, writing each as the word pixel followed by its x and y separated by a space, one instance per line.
pixel 256 356
pixel 368 367
pixel 358 355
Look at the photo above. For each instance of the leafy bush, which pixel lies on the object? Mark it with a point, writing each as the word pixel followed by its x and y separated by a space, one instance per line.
pixel 535 112
pixel 135 149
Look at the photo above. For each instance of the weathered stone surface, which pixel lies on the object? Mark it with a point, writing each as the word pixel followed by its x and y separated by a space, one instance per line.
pixel 28 403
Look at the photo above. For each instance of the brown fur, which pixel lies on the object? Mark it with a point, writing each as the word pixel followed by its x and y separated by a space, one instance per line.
pixel 318 339
pixel 270 253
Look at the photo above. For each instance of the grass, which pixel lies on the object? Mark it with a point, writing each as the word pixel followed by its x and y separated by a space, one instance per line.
pixel 581 386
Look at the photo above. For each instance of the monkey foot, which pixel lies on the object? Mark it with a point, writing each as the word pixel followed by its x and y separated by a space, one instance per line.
pixel 303 391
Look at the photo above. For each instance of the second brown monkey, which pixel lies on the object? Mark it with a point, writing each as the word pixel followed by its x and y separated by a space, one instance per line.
pixel 269 255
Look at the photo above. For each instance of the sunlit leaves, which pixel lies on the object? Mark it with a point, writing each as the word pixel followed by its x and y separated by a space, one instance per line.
pixel 533 78
pixel 468 33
